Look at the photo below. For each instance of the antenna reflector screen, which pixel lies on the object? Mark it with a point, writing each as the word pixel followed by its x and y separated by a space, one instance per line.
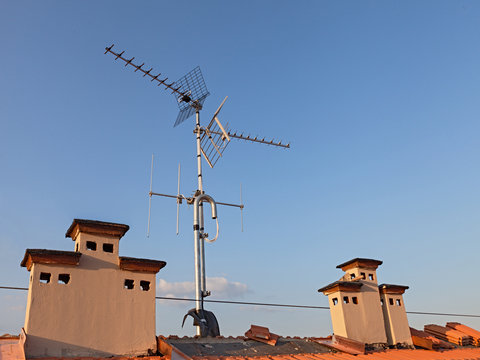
pixel 214 141
pixel 186 112
pixel 192 84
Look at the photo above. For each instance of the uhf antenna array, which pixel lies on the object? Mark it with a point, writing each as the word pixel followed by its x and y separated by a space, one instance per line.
pixel 190 93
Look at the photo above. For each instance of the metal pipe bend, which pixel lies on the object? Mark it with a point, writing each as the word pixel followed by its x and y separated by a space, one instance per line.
pixel 196 203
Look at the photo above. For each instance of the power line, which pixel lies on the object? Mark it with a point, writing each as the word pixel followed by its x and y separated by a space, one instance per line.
pixel 275 305
pixel 441 314
pixel 12 288
pixel 248 303
pixel 304 306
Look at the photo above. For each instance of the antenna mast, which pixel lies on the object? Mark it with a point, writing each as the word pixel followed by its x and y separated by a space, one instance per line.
pixel 190 93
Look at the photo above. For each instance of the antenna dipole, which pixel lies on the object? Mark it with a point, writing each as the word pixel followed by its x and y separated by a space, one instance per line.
pixel 183 95
pixel 257 139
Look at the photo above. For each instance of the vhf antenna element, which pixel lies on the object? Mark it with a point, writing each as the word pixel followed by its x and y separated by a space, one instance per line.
pixel 190 93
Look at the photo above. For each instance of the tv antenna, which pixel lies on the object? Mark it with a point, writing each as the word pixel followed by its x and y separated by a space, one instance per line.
pixel 190 93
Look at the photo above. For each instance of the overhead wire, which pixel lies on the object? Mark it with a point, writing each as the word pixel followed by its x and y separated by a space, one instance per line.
pixel 276 305
pixel 12 288
pixel 246 303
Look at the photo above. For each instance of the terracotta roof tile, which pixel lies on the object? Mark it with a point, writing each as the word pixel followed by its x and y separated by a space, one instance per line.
pixel 262 334
pixel 342 344
pixel 390 354
pixel 241 347
pixel 466 330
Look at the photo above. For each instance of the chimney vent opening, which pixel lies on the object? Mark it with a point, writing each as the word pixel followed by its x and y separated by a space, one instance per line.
pixel 108 248
pixel 145 285
pixel 45 277
pixel 63 278
pixel 91 245
pixel 128 284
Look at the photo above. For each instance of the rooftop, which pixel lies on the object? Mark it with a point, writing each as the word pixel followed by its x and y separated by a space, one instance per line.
pixel 243 347
pixel 285 348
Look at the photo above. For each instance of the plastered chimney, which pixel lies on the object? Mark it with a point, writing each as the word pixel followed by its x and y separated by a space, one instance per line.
pixel 90 302
pixel 363 311
pixel 354 302
pixel 395 315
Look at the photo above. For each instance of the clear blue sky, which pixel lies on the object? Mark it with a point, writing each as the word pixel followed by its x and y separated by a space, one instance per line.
pixel 379 100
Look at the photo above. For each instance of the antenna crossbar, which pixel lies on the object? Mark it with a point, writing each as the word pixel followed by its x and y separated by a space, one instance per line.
pixel 175 89
pixel 190 200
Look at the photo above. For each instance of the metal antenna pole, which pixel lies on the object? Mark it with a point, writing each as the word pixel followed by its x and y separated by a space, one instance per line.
pixel 150 201
pixel 203 281
pixel 199 152
pixel 199 245
pixel 179 200
pixel 241 204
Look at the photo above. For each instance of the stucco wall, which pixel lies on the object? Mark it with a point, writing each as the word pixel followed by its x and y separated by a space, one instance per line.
pixel 337 314
pixel 362 321
pixel 396 321
pixel 81 246
pixel 369 274
pixel 373 323
pixel 92 315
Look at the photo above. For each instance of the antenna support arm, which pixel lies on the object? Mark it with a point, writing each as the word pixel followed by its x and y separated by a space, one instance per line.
pixel 202 198
pixel 196 214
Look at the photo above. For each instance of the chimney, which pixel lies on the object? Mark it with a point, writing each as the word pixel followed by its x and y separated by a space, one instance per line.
pixel 363 311
pixel 354 302
pixel 90 302
pixel 395 315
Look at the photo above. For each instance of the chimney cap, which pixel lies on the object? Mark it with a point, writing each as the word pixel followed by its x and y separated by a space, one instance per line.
pixel 44 256
pixel 96 227
pixel 392 289
pixel 141 265
pixel 341 286
pixel 361 263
